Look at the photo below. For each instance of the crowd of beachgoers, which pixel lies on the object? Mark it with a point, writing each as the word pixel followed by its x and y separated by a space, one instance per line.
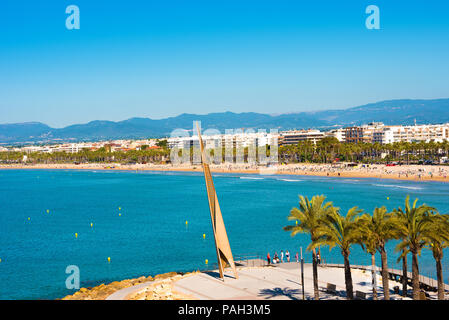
pixel 406 172
pixel 377 170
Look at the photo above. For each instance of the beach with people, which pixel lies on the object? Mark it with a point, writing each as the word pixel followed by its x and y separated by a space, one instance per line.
pixel 345 170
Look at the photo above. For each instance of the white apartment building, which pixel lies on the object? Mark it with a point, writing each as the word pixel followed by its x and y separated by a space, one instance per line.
pixel 370 130
pixel 295 136
pixel 29 149
pixel 339 134
pixel 416 133
pixel 238 140
pixel 69 148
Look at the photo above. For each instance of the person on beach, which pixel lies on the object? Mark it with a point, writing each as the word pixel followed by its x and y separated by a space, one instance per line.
pixel 287 256
pixel 297 257
pixel 275 258
pixel 268 258
pixel 282 256
pixel 318 258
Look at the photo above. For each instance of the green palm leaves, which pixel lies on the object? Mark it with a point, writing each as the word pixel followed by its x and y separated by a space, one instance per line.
pixel 338 230
pixel 413 228
pixel 308 217
pixel 376 230
pixel 413 225
pixel 343 232
pixel 416 227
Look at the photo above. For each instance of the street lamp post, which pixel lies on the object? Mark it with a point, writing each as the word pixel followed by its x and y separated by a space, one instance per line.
pixel 302 274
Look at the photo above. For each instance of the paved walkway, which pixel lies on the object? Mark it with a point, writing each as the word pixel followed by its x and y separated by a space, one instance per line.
pixel 279 282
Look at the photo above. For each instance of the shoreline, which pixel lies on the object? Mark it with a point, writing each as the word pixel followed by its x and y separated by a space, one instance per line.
pixel 414 173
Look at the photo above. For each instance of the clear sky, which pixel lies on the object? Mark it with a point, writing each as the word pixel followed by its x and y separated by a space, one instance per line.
pixel 162 58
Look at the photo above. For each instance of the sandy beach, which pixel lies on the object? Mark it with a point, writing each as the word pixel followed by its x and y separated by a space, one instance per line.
pixel 402 172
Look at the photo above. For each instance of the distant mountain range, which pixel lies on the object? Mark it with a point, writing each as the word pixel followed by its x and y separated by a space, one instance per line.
pixel 389 112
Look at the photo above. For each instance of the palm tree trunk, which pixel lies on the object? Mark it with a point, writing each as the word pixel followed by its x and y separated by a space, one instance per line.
pixel 373 273
pixel 440 278
pixel 415 275
pixel 315 275
pixel 348 277
pixel 385 282
pixel 404 276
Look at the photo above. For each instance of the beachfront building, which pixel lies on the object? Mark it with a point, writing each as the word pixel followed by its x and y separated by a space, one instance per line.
pixel 367 133
pixel 416 133
pixel 29 149
pixel 237 139
pixel 339 134
pixel 354 135
pixel 295 136
pixel 125 145
pixel 69 148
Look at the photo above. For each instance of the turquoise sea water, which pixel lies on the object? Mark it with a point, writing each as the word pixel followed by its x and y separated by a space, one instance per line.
pixel 151 236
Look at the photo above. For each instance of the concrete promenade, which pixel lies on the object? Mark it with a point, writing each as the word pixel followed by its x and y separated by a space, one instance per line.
pixel 279 282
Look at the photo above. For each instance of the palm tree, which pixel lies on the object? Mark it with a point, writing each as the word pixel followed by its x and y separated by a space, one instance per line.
pixel 437 238
pixel 308 215
pixel 369 245
pixel 378 229
pixel 404 280
pixel 412 229
pixel 336 230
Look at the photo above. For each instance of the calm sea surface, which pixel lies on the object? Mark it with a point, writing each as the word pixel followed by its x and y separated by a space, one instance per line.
pixel 150 236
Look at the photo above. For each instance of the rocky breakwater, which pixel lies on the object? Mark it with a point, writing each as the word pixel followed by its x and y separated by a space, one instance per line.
pixel 160 288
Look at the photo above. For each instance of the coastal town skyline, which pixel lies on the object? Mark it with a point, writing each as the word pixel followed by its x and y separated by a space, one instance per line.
pixel 404 112
pixel 371 133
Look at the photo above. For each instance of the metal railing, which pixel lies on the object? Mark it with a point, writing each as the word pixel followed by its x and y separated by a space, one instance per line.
pixel 426 282
pixel 241 260
pixel 250 260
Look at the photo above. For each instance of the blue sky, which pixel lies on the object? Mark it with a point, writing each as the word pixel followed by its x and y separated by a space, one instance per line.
pixel 162 58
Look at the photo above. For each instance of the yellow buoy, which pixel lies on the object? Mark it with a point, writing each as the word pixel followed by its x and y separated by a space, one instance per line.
pixel 207 261
pixel 119 214
pixel 91 224
pixel 109 259
pixel 120 208
pixel 187 222
pixel 76 235
pixel 204 236
pixel 388 198
pixel 29 219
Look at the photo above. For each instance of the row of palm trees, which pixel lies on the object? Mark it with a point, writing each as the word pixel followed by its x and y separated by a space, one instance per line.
pixel 324 151
pixel 329 148
pixel 415 227
pixel 100 156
